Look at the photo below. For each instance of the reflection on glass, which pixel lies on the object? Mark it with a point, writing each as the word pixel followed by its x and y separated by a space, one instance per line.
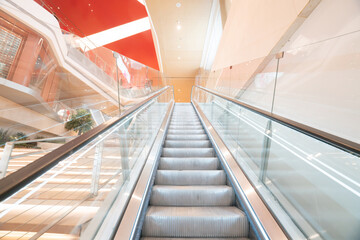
pixel 43 99
pixel 65 200
pixel 315 184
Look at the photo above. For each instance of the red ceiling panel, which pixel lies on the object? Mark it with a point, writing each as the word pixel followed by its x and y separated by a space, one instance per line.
pixel 136 47
pixel 86 17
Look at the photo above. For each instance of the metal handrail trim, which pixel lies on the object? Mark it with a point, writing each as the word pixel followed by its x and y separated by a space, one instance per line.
pixel 336 141
pixel 15 181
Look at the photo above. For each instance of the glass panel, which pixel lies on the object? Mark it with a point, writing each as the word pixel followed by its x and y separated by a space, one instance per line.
pixel 301 179
pixel 42 98
pixel 65 200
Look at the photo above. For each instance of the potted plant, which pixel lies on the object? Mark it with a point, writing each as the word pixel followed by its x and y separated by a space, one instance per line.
pixel 80 122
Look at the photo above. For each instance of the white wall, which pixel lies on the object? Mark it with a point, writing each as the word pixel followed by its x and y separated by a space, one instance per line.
pixel 319 76
pixel 253 29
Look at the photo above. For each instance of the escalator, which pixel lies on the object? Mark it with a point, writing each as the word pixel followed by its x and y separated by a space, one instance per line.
pixel 211 169
pixel 190 197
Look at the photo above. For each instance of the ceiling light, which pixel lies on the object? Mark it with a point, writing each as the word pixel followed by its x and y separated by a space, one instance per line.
pixel 178 46
pixel 114 34
pixel 179 58
pixel 178 4
pixel 142 2
pixel 178 25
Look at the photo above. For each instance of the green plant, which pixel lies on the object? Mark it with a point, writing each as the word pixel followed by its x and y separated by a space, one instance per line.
pixel 4 136
pixel 80 121
pixel 19 136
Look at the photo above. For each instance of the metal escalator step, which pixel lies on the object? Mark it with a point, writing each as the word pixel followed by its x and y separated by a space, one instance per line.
pixel 216 222
pixel 156 238
pixel 190 177
pixel 185 123
pixel 186 116
pixel 188 127
pixel 187 144
pixel 187 137
pixel 187 120
pixel 186 131
pixel 196 119
pixel 163 195
pixel 179 126
pixel 188 152
pixel 167 163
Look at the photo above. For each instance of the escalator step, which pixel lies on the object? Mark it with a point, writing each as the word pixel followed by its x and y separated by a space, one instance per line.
pixel 176 127
pixel 195 222
pixel 155 238
pixel 163 195
pixel 187 137
pixel 188 152
pixel 187 144
pixel 190 177
pixel 189 131
pixel 167 163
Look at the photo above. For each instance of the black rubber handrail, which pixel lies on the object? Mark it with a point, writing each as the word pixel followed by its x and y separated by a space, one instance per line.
pixel 19 179
pixel 335 141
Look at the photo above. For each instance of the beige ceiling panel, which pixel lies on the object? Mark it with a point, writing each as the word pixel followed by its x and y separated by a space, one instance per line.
pixel 180 49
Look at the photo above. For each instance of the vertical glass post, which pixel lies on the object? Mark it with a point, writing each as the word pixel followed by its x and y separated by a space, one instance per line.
pixel 117 56
pixel 268 130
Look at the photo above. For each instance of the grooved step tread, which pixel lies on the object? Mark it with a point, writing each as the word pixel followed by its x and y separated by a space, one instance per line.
pixel 186 131
pixel 190 177
pixel 169 163
pixel 163 195
pixel 187 137
pixel 195 222
pixel 155 238
pixel 187 144
pixel 188 152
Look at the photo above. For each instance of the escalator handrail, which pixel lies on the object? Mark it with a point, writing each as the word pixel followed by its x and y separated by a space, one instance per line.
pixel 25 175
pixel 333 140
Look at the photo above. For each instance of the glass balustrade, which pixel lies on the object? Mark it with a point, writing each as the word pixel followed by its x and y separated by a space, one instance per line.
pixel 316 184
pixel 71 199
pixel 60 90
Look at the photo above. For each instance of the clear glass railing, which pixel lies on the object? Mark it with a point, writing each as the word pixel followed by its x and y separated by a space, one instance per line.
pixel 315 184
pixel 59 89
pixel 71 200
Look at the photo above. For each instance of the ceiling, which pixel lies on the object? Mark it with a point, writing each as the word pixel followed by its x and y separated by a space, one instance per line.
pixel 87 17
pixel 180 49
